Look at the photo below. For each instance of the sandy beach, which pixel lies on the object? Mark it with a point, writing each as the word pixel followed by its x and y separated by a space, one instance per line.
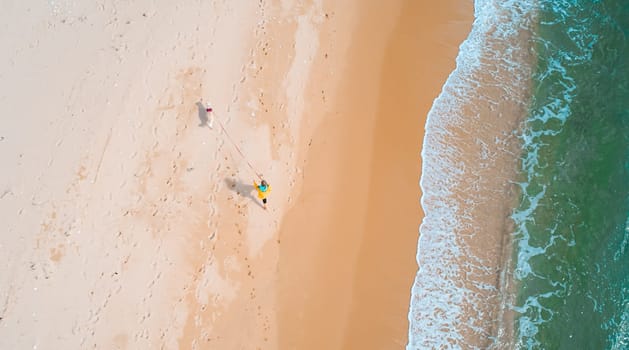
pixel 129 223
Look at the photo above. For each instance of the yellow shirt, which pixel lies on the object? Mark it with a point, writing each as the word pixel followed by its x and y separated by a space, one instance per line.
pixel 262 194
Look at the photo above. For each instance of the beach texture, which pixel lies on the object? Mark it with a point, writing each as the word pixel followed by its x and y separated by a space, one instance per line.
pixel 130 219
pixel 129 223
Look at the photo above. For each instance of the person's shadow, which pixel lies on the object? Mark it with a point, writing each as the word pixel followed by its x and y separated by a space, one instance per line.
pixel 242 189
pixel 203 117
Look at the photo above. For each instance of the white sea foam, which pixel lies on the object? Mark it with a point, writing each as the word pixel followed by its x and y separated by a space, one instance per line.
pixel 621 337
pixel 449 307
pixel 547 120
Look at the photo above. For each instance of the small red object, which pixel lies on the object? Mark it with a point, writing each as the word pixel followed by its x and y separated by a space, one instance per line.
pixel 208 110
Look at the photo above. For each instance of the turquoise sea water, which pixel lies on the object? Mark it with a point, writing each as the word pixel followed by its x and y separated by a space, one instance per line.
pixel 572 238
pixel 565 282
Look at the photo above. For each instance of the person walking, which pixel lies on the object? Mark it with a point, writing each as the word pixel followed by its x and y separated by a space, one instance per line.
pixel 263 190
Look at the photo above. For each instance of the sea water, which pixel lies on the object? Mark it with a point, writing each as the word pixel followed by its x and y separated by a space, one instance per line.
pixel 571 237
pixel 564 280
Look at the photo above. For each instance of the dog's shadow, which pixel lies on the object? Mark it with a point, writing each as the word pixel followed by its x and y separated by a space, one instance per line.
pixel 242 189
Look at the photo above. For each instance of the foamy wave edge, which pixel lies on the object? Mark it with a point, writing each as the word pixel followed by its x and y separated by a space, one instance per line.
pixel 436 309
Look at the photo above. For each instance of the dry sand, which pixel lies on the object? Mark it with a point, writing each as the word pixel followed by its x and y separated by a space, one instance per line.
pixel 129 224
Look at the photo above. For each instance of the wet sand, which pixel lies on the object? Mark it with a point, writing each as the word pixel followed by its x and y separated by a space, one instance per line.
pixel 353 233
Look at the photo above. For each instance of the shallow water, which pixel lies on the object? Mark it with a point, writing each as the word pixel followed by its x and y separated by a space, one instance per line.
pixel 533 124
pixel 571 237
pixel 470 155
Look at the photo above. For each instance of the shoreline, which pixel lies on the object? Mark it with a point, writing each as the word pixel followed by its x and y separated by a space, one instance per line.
pixel 474 151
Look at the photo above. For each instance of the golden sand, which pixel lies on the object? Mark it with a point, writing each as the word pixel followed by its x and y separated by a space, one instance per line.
pixel 129 224
pixel 347 259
